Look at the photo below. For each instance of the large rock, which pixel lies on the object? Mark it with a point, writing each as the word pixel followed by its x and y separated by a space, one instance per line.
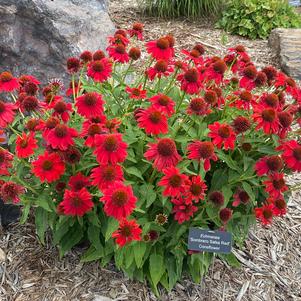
pixel 286 43
pixel 37 36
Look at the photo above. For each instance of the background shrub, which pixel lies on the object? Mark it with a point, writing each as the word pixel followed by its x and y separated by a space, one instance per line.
pixel 256 18
pixel 179 8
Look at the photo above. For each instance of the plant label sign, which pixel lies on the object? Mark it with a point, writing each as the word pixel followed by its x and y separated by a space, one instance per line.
pixel 209 241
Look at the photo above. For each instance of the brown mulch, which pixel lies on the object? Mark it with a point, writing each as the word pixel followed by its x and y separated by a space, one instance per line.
pixel 270 261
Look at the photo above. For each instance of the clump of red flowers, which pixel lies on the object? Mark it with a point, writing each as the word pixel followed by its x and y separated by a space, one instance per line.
pixel 142 146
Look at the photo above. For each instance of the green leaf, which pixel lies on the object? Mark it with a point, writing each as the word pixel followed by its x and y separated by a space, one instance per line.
pixel 228 160
pixel 230 259
pixel 247 187
pixel 62 228
pixel 156 268
pixel 41 216
pixel 92 254
pixel 139 251
pixel 70 239
pixel 112 226
pixel 147 194
pixel 25 213
pixel 94 236
pixel 134 171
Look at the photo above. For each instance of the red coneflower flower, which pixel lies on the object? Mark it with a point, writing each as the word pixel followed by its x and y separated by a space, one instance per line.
pixel 30 104
pixel 198 106
pixel 118 53
pixel 160 49
pixel 61 137
pixel 291 154
pixel 119 200
pixel 10 191
pixel 249 75
pixel 86 56
pixel 135 53
pixel 119 38
pixel 241 124
pixel 266 118
pixel 190 81
pixel 173 181
pixel 275 186
pixel 222 134
pixel 8 83
pixel 261 79
pixel 7 113
pixel 269 100
pixel 60 187
pixel 216 71
pixel 153 121
pixel 195 55
pixel 90 130
pixel 245 100
pixel 23 79
pixel 90 105
pixel 136 93
pixel 110 148
pixel 100 70
pixel 199 151
pixel 182 211
pixel 225 215
pixel 240 197
pixel 216 198
pixel 5 162
pixel 195 189
pixel 30 88
pixel 265 214
pixel 270 72
pixel 163 103
pixel 279 206
pixel 104 176
pixel 61 109
pixel 137 31
pixel 98 55
pixel 268 164
pixel 25 145
pixel 285 121
pixel 72 155
pixel 127 232
pixel 161 68
pixel 73 65
pixel 164 153
pixel 79 181
pixel 46 126
pixel 77 203
pixel 48 167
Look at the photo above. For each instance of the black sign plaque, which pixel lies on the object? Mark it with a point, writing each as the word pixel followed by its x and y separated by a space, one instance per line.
pixel 209 241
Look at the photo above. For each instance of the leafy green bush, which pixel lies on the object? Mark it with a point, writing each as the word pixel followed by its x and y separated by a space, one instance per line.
pixel 179 8
pixel 256 18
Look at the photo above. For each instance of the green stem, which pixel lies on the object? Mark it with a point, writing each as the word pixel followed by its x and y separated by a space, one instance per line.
pixel 180 102
pixel 15 131
pixel 26 186
pixel 73 86
pixel 127 70
pixel 152 176
pixel 171 81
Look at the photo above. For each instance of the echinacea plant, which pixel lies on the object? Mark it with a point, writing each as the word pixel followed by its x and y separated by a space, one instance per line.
pixel 144 145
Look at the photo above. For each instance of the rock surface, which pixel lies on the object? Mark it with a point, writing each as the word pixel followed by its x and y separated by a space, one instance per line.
pixel 286 43
pixel 37 36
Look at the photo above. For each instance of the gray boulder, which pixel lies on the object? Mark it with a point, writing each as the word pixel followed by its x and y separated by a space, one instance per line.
pixel 37 36
pixel 286 44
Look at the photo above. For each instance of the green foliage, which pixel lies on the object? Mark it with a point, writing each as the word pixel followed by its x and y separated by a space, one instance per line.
pixel 182 8
pixel 256 18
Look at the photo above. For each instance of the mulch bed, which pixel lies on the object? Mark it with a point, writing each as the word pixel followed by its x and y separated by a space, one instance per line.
pixel 270 261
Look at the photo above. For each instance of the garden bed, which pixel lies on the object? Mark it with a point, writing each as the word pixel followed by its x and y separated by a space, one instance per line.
pixel 270 260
